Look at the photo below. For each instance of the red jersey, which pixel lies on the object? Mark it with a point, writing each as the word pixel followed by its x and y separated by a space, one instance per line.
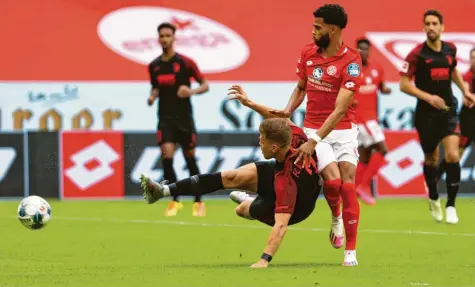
pixel 325 77
pixel 292 182
pixel 367 95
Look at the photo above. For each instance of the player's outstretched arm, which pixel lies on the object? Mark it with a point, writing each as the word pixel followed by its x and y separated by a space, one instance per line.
pixel 236 92
pixel 296 99
pixel 275 238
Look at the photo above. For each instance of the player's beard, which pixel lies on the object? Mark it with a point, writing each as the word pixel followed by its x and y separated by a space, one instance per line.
pixel 433 38
pixel 324 41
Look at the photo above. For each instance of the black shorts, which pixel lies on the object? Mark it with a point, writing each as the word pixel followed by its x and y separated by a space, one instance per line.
pixel 262 208
pixel 467 126
pixel 432 129
pixel 178 132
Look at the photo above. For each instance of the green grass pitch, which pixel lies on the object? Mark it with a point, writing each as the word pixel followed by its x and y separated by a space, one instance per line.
pixel 129 243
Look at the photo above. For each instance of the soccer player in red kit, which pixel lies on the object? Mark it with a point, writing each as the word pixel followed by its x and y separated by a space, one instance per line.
pixel 372 147
pixel 329 73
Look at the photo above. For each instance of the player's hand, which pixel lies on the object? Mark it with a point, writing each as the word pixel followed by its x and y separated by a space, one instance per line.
pixel 438 103
pixel 469 100
pixel 151 100
pixel 305 151
pixel 260 264
pixel 184 92
pixel 280 113
pixel 236 92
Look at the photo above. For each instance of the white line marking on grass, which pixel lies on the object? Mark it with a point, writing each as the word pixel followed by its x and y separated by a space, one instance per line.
pixel 183 223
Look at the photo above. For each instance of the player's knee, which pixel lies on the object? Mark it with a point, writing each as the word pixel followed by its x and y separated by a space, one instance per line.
pixel 242 210
pixel 431 159
pixel 452 156
pixel 189 153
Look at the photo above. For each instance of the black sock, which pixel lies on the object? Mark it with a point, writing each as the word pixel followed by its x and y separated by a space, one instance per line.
pixel 430 175
pixel 441 169
pixel 169 172
pixel 452 181
pixel 194 170
pixel 197 185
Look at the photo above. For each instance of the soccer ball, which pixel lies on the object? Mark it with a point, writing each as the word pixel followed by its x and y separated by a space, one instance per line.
pixel 34 212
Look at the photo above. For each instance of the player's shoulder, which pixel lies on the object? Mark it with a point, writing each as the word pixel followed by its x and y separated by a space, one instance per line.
pixel 187 60
pixel 450 46
pixel 297 131
pixel 155 62
pixel 350 55
pixel 417 49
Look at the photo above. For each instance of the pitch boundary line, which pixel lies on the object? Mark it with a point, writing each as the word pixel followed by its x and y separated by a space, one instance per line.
pixel 184 223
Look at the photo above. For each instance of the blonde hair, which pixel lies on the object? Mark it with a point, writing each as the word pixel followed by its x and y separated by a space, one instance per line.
pixel 277 130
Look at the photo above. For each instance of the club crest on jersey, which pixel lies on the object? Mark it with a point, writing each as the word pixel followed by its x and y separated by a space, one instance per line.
pixel 331 70
pixel 317 73
pixel 353 70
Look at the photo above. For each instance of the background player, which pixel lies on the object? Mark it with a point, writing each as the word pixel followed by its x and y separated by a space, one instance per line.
pixel 467 114
pixel 170 75
pixel 372 147
pixel 329 73
pixel 286 192
pixel 433 65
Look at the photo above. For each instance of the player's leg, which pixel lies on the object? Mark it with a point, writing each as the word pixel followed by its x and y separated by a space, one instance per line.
pixel 429 139
pixel 347 157
pixel 452 167
pixel 242 178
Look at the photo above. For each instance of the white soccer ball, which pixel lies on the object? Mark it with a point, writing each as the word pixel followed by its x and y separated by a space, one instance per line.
pixel 34 212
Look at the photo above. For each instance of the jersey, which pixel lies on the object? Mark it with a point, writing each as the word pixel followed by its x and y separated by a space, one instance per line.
pixel 293 180
pixel 167 77
pixel 432 71
pixel 324 77
pixel 367 95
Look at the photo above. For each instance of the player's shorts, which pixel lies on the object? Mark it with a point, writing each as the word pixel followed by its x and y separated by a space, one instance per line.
pixel 432 129
pixel 178 132
pixel 370 133
pixel 338 146
pixel 467 126
pixel 262 207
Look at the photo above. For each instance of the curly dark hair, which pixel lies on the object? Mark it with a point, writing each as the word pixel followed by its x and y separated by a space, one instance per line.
pixel 363 40
pixel 332 14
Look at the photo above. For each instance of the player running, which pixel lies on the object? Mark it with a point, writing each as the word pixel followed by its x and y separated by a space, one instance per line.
pixel 433 65
pixel 372 147
pixel 329 73
pixel 170 75
pixel 286 191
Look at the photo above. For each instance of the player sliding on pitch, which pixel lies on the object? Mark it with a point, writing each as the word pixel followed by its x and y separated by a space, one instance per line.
pixel 286 192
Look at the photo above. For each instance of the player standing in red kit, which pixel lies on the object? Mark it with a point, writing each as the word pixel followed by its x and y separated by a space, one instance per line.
pixel 329 74
pixel 372 147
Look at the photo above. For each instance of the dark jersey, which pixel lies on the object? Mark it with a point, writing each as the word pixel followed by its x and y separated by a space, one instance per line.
pixel 167 77
pixel 469 77
pixel 432 72
pixel 293 182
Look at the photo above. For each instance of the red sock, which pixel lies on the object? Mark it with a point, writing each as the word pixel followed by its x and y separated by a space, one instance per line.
pixel 360 170
pixel 331 190
pixel 351 214
pixel 375 163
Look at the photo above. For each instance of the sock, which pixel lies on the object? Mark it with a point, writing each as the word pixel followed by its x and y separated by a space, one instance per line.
pixel 169 172
pixel 194 170
pixel 452 181
pixel 351 214
pixel 441 169
pixel 375 163
pixel 197 185
pixel 360 169
pixel 331 191
pixel 430 175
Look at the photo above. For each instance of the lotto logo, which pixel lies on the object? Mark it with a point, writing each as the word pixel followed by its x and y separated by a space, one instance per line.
pixel 404 164
pixel 92 164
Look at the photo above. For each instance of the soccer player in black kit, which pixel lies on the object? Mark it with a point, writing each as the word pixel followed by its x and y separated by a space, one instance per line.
pixel 170 75
pixel 433 66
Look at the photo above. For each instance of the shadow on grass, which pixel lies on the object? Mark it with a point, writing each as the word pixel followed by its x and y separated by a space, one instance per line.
pixel 245 265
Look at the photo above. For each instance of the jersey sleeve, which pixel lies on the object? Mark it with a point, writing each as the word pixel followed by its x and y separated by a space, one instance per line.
pixel 455 55
pixel 467 77
pixel 153 77
pixel 409 65
pixel 301 66
pixel 285 191
pixel 194 70
pixel 351 77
